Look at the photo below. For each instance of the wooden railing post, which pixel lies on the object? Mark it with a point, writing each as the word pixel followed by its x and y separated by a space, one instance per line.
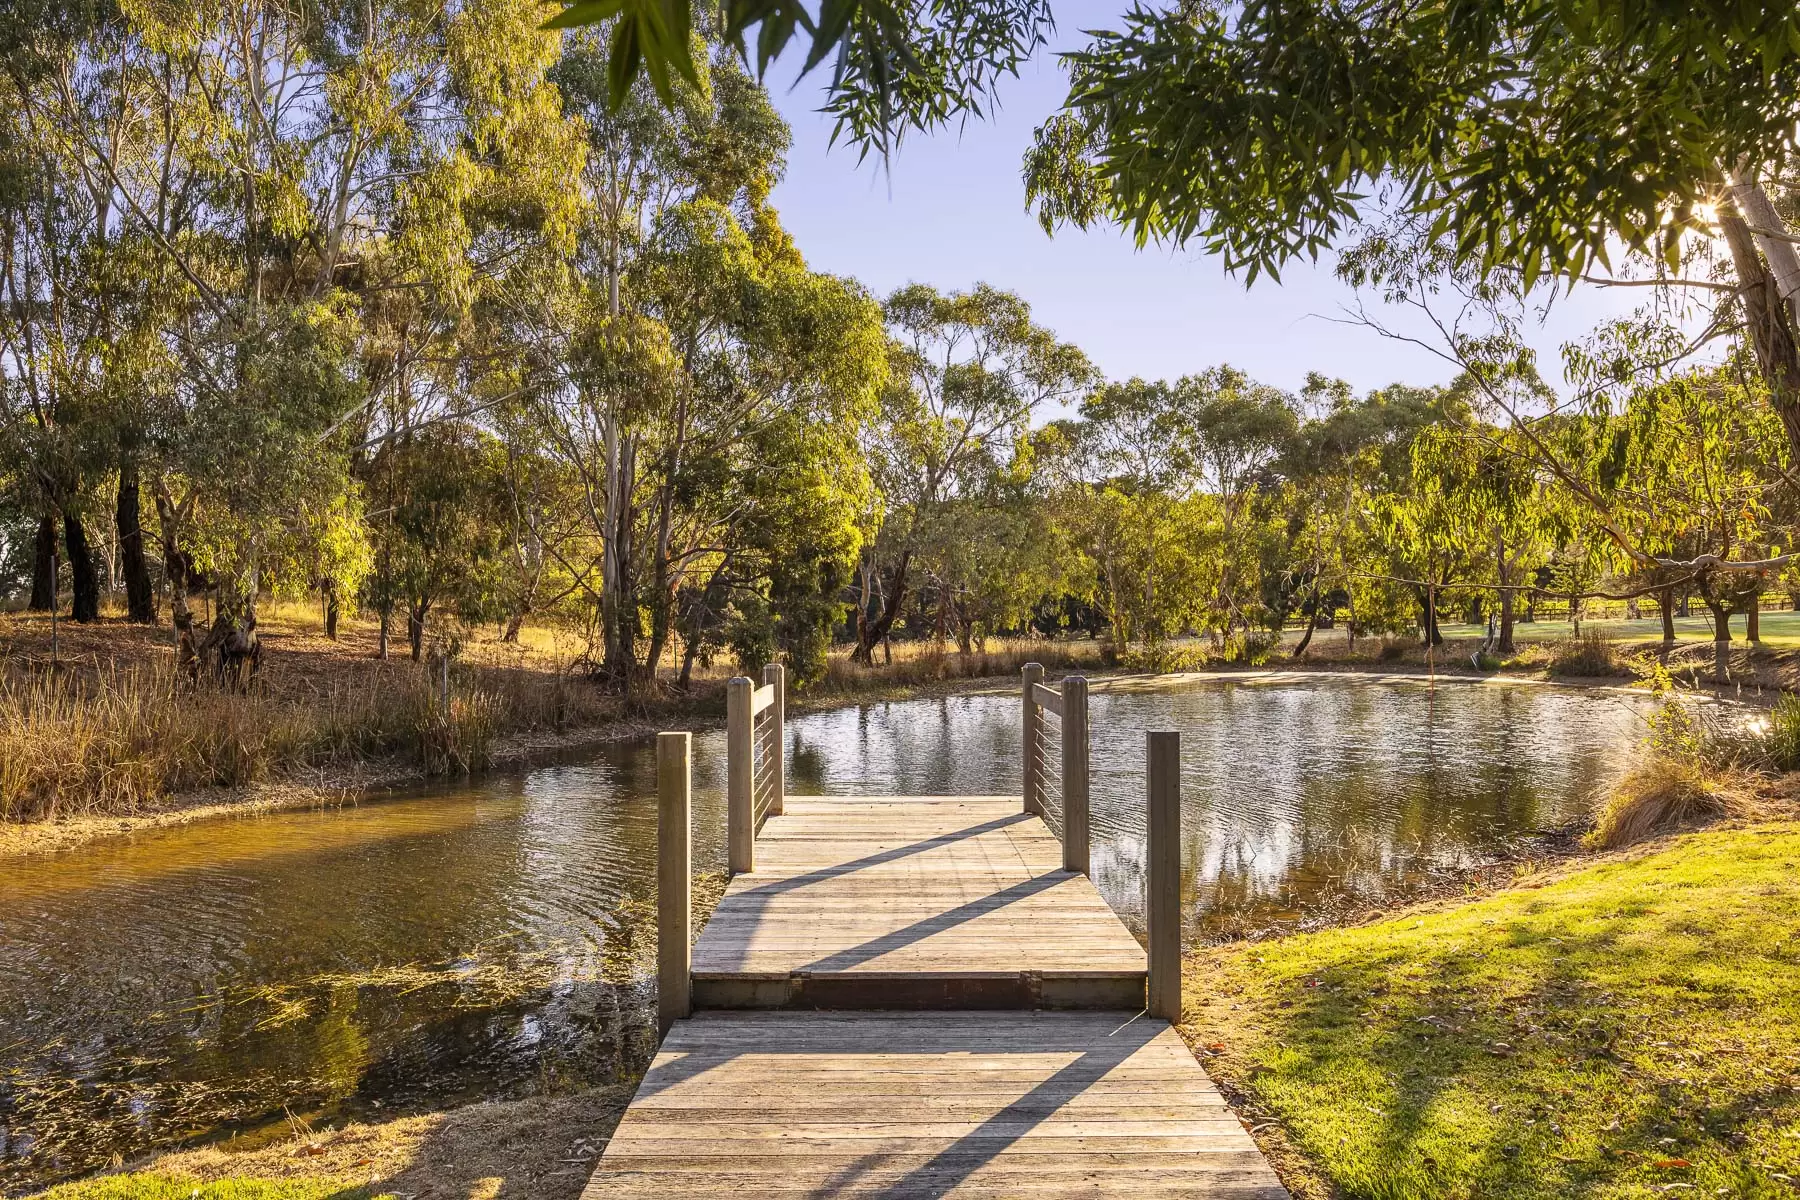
pixel 1162 904
pixel 775 675
pixel 740 801
pixel 1075 773
pixel 674 956
pixel 1034 745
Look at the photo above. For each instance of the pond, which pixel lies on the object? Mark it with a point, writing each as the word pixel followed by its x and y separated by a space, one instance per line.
pixel 498 938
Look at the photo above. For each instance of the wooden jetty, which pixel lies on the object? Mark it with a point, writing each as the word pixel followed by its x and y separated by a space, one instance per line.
pixel 912 996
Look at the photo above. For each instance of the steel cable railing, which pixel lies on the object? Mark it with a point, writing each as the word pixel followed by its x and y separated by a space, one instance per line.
pixel 1068 777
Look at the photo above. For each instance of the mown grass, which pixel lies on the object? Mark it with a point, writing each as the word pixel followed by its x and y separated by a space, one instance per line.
pixel 1630 1029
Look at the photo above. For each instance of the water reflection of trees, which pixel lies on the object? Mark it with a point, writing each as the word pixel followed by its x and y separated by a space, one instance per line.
pixel 440 952
pixel 207 978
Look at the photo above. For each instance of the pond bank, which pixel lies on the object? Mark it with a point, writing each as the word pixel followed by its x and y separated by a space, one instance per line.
pixel 1611 1023
pixel 541 1148
pixel 348 782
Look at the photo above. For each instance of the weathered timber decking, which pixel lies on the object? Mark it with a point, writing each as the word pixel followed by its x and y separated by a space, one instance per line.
pixel 916 1104
pixel 811 1068
pixel 914 902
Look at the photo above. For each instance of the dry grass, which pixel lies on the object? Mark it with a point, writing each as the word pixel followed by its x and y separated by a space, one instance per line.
pixel 1590 656
pixel 541 1148
pixel 917 664
pixel 99 727
pixel 106 728
pixel 1666 792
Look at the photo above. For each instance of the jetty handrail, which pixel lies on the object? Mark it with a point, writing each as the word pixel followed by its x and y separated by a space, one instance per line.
pixel 1070 705
pixel 755 773
pixel 674 880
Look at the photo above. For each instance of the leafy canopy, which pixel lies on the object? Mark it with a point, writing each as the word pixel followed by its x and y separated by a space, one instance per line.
pixel 897 64
pixel 1530 131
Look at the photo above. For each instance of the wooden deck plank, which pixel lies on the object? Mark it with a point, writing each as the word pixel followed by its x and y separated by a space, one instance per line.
pixel 949 888
pixel 801 1104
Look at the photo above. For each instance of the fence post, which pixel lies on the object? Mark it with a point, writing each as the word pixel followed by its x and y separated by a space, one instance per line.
pixel 1034 745
pixel 775 675
pixel 740 803
pixel 1075 773
pixel 1162 907
pixel 674 957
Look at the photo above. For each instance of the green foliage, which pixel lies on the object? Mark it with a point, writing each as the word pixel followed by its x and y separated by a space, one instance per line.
pixel 897 66
pixel 1781 741
pixel 1529 133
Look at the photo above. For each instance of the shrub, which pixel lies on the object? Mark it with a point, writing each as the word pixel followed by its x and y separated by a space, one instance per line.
pixel 1592 654
pixel 1250 649
pixel 1781 740
pixel 1164 657
pixel 1393 649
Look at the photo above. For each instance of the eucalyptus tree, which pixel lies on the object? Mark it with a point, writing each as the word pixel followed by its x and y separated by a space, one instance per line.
pixel 1694 467
pixel 1134 469
pixel 53 331
pixel 1528 135
pixel 288 212
pixel 1240 428
pixel 682 355
pixel 969 370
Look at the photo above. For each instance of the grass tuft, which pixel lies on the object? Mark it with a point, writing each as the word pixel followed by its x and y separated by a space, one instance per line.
pixel 1591 655
pixel 1663 793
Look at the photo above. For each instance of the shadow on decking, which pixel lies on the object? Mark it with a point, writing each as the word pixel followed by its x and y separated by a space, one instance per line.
pixel 949 1167
pixel 837 870
pixel 918 931
pixel 751 903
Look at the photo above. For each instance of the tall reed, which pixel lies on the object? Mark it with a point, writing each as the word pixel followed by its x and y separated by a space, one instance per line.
pixel 126 739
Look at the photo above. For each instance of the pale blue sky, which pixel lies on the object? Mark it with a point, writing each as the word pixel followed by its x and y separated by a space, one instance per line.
pixel 950 212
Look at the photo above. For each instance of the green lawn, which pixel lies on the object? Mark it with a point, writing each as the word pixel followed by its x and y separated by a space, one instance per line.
pixel 1780 630
pixel 1632 1026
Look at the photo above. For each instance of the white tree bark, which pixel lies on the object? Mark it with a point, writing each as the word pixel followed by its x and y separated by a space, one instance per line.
pixel 1771 233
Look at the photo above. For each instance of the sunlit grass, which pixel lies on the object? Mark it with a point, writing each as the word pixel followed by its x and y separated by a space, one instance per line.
pixel 1633 1025
pixel 149 1186
pixel 542 1147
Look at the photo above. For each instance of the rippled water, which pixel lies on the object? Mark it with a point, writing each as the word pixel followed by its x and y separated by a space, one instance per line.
pixel 498 938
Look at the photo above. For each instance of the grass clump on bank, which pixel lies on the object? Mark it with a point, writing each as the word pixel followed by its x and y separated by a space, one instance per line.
pixel 1589 655
pixel 1632 1025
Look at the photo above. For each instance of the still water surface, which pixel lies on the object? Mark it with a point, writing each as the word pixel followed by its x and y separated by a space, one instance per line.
pixel 498 938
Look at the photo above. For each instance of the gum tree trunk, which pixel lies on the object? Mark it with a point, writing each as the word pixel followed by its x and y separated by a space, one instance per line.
pixel 140 592
pixel 43 567
pixel 84 580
